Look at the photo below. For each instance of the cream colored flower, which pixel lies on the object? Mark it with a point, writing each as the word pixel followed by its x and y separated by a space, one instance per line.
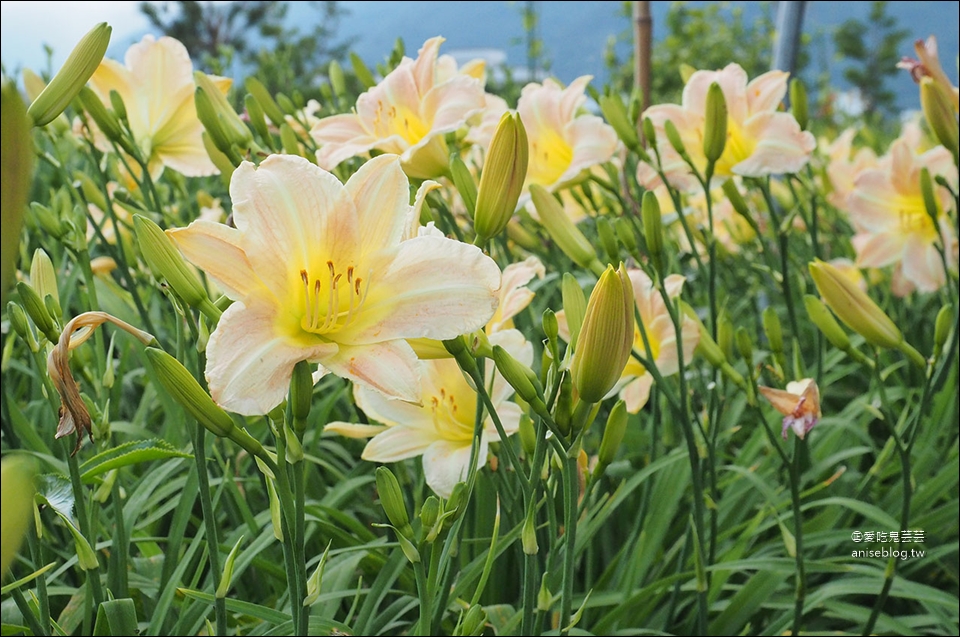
pixel 760 140
pixel 441 427
pixel 407 113
pixel 333 274
pixel 157 86
pixel 844 166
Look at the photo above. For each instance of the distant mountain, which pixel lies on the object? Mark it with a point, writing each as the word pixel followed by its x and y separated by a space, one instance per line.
pixel 575 33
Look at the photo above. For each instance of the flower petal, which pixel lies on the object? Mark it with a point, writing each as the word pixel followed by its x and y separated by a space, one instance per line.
pixel 390 367
pixel 446 463
pixel 215 249
pixel 381 194
pixel 398 443
pixel 249 364
pixel 765 92
pixel 922 264
pixel 782 147
pixel 636 393
pixel 340 137
pixel 353 430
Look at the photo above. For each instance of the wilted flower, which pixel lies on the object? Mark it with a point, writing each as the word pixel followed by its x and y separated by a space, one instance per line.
pixel 799 404
pixel 407 113
pixel 760 140
pixel 330 273
pixel 157 88
pixel 928 65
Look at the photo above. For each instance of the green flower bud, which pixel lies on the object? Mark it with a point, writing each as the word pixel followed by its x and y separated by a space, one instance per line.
pixel 544 596
pixel 521 378
pixel 799 102
pixel 286 105
pixel 91 190
pixel 823 319
pixel 361 71
pixel 942 327
pixel 673 136
pixel 615 112
pixel 262 95
pixel 725 334
pixel 652 228
pixel 474 621
pixel 736 199
pixel 744 345
pixel 612 435
pixel 528 535
pixel 453 505
pixel 429 512
pixel 47 219
pixel 18 320
pixel 608 239
pixel 53 308
pixel 459 350
pixel 563 409
pixel 528 435
pixel 234 128
pixel 574 305
pixel 773 330
pixel 221 160
pixel 335 73
pixel 391 499
pixel 16 167
pixel 207 114
pixel 288 139
pixel 106 121
pixel 116 103
pixel 165 261
pixel 606 337
pixel 854 307
pixel 929 198
pixel 563 231
pixel 184 388
pixel 463 181
pixel 37 311
pixel 501 182
pixel 626 235
pixel 257 118
pixel 550 325
pixel 301 395
pixel 715 123
pixel 316 580
pixel 226 580
pixel 938 111
pixel 517 233
pixel 72 76
pixel 649 131
pixel 43 276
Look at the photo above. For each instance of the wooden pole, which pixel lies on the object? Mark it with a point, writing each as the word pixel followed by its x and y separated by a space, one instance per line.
pixel 642 51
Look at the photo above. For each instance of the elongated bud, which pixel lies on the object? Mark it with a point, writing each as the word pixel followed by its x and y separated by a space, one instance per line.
pixel 823 319
pixel 43 276
pixel 226 580
pixel 37 311
pixel 337 82
pixel 798 102
pixel 106 121
pixel 528 535
pixel 224 163
pixel 464 183
pixel 18 320
pixel 453 505
pixel 929 198
pixel 615 112
pixel 626 235
pixel 504 172
pixel 286 104
pixel 606 338
pixel 649 131
pixel 544 596
pixel 725 334
pixel 301 395
pixel 735 198
pixel 939 113
pixel 165 260
pixel 551 328
pixel 574 305
pixel 429 512
pixel 744 345
pixel 942 327
pixel 563 409
pixel 773 329
pixel 16 167
pixel 288 139
pixel 391 499
pixel 474 621
pixel 612 435
pixel 459 351
pixel 234 128
pixel 207 114
pixel 72 76
pixel 653 228
pixel 854 307
pixel 184 388
pixel 316 580
pixel 528 435
pixel 715 123
pixel 521 378
pixel 608 239
pixel 563 231
pixel 266 102
pixel 116 103
pixel 673 136
pixel 361 71
pixel 258 118
pixel 53 308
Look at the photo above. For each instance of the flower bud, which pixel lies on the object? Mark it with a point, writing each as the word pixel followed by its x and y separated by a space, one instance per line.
pixel 262 95
pixel 929 198
pixel 854 307
pixel 823 319
pixel 46 219
pixel 286 104
pixel 673 136
pixel 563 408
pixel 773 330
pixel 626 235
pixel 574 305
pixel 361 71
pixel 164 259
pixel 257 118
pixel 337 82
pixel 563 230
pixel 429 512
pixel 551 328
pixel 504 171
pixel 615 112
pixel 459 351
pixel 606 337
pixel 234 128
pixel 288 139
pixel 184 388
pixel 226 580
pixel 43 277
pixel 938 111
pixel 453 505
pixel 528 535
pixel 715 123
pixel 653 228
pixel 53 308
pixel 316 580
pixel 207 114
pixel 725 334
pixel 18 320
pixel 464 183
pixel 736 199
pixel 528 435
pixel 33 84
pixel 544 596
pixel 391 499
pixel 612 435
pixel 16 168
pixel 72 76
pixel 799 103
pixel 649 132
pixel 521 378
pixel 105 120
pixel 474 621
pixel 301 395
pixel 942 327
pixel 517 233
pixel 37 311
pixel 744 345
pixel 608 239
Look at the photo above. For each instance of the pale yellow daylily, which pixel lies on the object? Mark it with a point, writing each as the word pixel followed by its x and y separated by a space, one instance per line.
pixel 893 227
pixel 441 427
pixel 760 140
pixel 157 87
pixel 407 113
pixel 514 293
pixel 845 166
pixel 334 274
pixel 799 403
pixel 563 142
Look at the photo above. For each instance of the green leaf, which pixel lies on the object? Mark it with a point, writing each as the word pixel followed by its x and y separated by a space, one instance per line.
pixel 116 617
pixel 29 578
pixel 127 454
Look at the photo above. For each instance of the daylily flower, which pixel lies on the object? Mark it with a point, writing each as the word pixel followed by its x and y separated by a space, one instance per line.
pixel 893 228
pixel 407 113
pixel 333 274
pixel 760 140
pixel 928 65
pixel 514 295
pixel 845 166
pixel 441 427
pixel 157 89
pixel 562 143
pixel 799 404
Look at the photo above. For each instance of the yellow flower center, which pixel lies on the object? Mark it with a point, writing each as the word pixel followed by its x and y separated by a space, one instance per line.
pixel 738 148
pixel 914 218
pixel 399 121
pixel 635 367
pixel 550 156
pixel 451 420
pixel 334 302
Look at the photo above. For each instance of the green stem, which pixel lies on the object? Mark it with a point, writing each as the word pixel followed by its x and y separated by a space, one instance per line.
pixel 300 534
pixel 781 236
pixel 43 599
pixel 801 587
pixel 570 488
pixel 28 615
pixel 210 524
pixel 423 625
pixel 297 584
